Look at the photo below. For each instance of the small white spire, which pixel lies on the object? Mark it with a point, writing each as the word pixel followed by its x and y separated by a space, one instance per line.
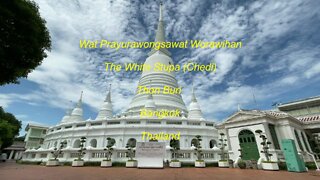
pixel 69 110
pixel 160 12
pixel 108 97
pixel 193 98
pixel 194 108
pixel 105 111
pixel 66 117
pixel 160 34
pixel 79 104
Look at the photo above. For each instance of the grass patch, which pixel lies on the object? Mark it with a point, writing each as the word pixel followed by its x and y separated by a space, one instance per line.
pixel 282 166
pixel 67 163
pixel 311 165
pixel 29 162
pixel 269 162
pixel 97 163
pixel 118 164
pixel 78 159
pixel 212 164
pixel 187 164
pixel 53 159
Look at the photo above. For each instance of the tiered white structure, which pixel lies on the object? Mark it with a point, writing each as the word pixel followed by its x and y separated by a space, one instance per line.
pixel 128 126
pixel 299 123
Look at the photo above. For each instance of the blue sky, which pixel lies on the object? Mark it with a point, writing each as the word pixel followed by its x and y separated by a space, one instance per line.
pixel 279 61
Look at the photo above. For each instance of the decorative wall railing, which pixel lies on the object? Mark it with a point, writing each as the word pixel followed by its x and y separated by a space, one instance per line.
pixel 119 155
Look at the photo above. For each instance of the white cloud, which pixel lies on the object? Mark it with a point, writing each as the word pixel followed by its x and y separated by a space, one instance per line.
pixel 5 100
pixel 289 80
pixel 263 26
pixel 314 70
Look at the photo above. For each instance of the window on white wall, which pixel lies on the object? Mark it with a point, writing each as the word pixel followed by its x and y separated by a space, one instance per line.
pixel 212 143
pixel 274 136
pixel 76 144
pixel 132 142
pixel 194 142
pixel 305 142
pixel 299 141
pixel 93 143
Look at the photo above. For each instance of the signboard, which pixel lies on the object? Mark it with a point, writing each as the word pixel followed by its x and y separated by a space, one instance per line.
pixel 150 154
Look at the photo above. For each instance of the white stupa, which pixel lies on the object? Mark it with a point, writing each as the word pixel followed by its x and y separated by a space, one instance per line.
pixel 158 79
pixel 128 126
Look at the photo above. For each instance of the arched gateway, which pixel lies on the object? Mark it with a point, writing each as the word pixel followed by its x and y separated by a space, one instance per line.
pixel 248 145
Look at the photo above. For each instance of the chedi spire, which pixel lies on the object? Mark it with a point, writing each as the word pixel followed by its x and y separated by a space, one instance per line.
pixel 194 108
pixel 105 111
pixel 160 34
pixel 77 112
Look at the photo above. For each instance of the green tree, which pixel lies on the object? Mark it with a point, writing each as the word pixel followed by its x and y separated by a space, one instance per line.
pixel 175 147
pixel 198 147
pixel 109 148
pixel 223 144
pixel 23 39
pixel 9 128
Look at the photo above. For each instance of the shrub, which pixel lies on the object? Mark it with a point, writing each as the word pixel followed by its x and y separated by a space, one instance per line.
pixel 109 149
pixel 214 164
pixel 223 144
pixel 311 165
pixel 282 165
pixel 265 146
pixel 118 164
pixel 92 163
pixel 30 162
pixel 57 151
pixel 175 147
pixel 269 162
pixel 67 163
pixel 78 159
pixel 130 151
pixel 186 164
pixel 82 148
pixel 242 164
pixel 198 147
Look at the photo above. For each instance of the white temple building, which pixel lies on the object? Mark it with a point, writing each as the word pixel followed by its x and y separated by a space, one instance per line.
pixel 128 126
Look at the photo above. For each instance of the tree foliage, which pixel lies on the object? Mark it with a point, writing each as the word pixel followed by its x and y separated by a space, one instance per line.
pixel 109 148
pixel 57 151
pixel 223 144
pixel 175 147
pixel 9 128
pixel 130 151
pixel 265 145
pixel 198 147
pixel 23 39
pixel 82 148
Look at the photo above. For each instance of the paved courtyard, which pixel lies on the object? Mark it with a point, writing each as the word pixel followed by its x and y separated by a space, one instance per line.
pixel 12 171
